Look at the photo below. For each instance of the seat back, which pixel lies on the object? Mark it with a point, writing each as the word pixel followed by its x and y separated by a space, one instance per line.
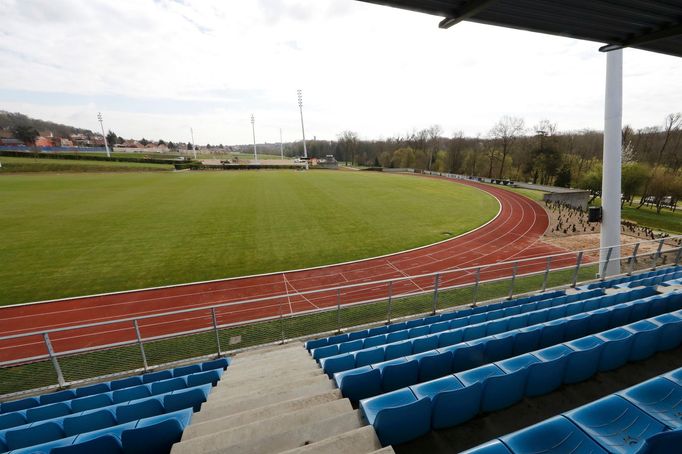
pixel 156 376
pixel 186 398
pixel 126 382
pixel 78 424
pixel 104 444
pixel 91 402
pixel 34 435
pixel 48 412
pixel 204 378
pixel 136 392
pixel 166 386
pixel 142 409
pixel 396 376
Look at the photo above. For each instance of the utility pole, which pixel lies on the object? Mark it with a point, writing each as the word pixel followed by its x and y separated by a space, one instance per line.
pixel 106 144
pixel 300 108
pixel 253 129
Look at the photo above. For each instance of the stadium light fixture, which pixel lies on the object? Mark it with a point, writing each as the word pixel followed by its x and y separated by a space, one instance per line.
pixel 101 125
pixel 281 144
pixel 253 130
pixel 300 108
pixel 194 146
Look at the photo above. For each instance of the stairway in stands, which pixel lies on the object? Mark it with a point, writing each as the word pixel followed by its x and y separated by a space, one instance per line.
pixel 278 400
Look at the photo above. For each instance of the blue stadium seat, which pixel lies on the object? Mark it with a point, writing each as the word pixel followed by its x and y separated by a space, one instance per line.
pixel 659 398
pixel 47 411
pixel 87 422
pixel 615 423
pixel 337 339
pixel 398 350
pixel 13 419
pixel 398 416
pixel 425 343
pixel 671 333
pixel 104 444
pixel 474 331
pixel 166 386
pixel 583 362
pixel 156 376
pixel 497 327
pixel 125 382
pixel 186 370
pixel 377 330
pixel 369 356
pixel 409 324
pixel 662 443
pixel 92 402
pixel 465 357
pixel 350 346
pixel 396 336
pixel 492 447
pixel 396 376
pixel 357 335
pixel 375 341
pixel 527 339
pixel 498 348
pixel 337 363
pixel 418 332
pixel 186 398
pixel 452 405
pixel 21 404
pixel 396 327
pixel 616 350
pixel 439 327
pixel 59 396
pixel 45 448
pixel 555 435
pixel 548 374
pixel 599 320
pixel 33 435
pixel 357 384
pixel 553 333
pixel 91 390
pixel 479 374
pixel 577 326
pixel 204 378
pixel 450 338
pixel 220 363
pixel 435 366
pixel 645 341
pixel 502 391
pixel 143 409
pixel 152 436
pixel 136 392
pixel 620 315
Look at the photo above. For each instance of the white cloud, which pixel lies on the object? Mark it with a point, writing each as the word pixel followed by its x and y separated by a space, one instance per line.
pixel 156 67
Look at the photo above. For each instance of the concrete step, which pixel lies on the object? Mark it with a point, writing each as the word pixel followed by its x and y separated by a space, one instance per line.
pixel 274 386
pixel 263 351
pixel 386 450
pixel 238 376
pixel 204 426
pixel 215 409
pixel 278 442
pixel 358 441
pixel 268 378
pixel 251 433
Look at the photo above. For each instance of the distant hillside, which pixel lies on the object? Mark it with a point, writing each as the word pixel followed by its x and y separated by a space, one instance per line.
pixel 8 120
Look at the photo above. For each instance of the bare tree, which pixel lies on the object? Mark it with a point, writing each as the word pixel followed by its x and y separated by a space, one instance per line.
pixel 505 132
pixel 348 140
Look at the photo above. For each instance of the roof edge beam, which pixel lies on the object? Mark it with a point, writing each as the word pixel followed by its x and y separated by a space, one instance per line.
pixel 663 33
pixel 466 12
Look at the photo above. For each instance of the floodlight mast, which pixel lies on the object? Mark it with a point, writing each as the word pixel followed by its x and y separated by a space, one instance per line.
pixel 253 130
pixel 194 146
pixel 106 144
pixel 300 108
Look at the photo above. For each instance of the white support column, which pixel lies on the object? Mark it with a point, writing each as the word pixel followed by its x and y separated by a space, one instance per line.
pixel 613 125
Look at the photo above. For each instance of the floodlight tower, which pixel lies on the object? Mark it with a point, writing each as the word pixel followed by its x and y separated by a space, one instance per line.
pixel 194 146
pixel 253 130
pixel 106 144
pixel 300 108
pixel 281 144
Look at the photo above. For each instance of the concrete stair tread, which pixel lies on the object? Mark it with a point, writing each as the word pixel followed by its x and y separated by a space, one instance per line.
pixel 268 388
pixel 358 441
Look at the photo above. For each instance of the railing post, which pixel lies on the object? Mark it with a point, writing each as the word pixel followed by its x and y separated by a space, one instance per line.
pixel 544 281
pixel 579 261
pixel 390 302
pixel 606 264
pixel 513 280
pixel 139 341
pixel 281 323
pixel 436 279
pixel 53 358
pixel 633 259
pixel 678 256
pixel 215 329
pixel 658 254
pixel 478 279
pixel 338 310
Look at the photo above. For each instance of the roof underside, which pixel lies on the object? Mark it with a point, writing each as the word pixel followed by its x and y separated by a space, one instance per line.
pixel 653 25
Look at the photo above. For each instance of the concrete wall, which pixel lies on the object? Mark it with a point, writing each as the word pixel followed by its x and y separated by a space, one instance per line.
pixel 575 199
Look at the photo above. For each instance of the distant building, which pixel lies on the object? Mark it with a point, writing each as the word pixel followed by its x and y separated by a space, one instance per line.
pixel 42 141
pixel 11 142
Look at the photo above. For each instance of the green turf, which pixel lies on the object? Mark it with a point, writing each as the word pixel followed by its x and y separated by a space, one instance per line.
pixel 22 165
pixel 666 221
pixel 75 234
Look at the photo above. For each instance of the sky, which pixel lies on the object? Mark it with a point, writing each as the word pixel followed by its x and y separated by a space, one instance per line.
pixel 156 68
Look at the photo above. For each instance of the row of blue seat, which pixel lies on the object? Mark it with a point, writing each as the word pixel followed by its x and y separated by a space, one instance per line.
pixel 337 339
pixel 153 435
pixel 371 380
pixel 113 415
pixel 608 283
pixel 346 361
pixel 408 413
pixel 114 385
pixel 446 325
pixel 49 411
pixel 654 280
pixel 644 418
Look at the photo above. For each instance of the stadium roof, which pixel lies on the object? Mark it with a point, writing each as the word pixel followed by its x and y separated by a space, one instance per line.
pixel 653 25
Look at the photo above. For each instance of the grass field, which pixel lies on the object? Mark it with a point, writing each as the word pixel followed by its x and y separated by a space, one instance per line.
pixel 24 165
pixel 75 234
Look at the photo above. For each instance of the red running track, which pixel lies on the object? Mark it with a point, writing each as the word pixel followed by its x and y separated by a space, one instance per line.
pixel 513 234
